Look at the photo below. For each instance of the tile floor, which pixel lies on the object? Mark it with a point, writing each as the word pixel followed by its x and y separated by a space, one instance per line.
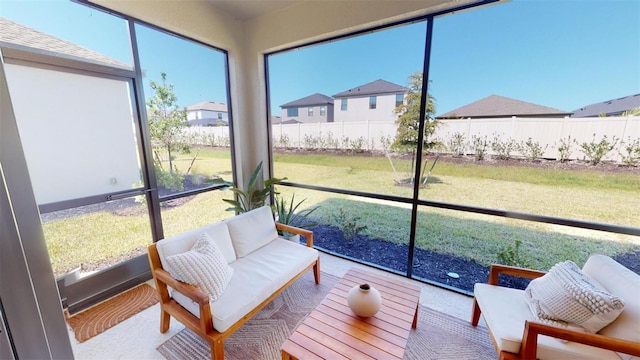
pixel 138 337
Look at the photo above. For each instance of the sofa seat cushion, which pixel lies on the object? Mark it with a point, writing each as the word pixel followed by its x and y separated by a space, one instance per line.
pixel 184 242
pixel 505 311
pixel 255 278
pixel 252 230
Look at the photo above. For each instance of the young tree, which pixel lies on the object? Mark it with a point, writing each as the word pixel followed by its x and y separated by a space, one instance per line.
pixel 166 121
pixel 406 140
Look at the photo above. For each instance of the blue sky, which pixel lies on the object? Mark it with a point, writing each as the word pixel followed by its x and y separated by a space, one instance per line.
pixel 562 54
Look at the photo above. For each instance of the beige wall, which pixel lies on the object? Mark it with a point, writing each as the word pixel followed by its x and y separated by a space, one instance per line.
pixel 248 41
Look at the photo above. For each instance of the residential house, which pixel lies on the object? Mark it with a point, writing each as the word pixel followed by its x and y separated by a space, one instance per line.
pixel 310 109
pixel 499 106
pixel 208 113
pixel 614 107
pixel 374 101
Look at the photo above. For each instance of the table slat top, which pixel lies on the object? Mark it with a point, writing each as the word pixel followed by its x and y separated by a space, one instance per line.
pixel 333 331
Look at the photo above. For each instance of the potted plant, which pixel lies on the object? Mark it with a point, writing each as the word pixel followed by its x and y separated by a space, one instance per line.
pixel 285 213
pixel 251 198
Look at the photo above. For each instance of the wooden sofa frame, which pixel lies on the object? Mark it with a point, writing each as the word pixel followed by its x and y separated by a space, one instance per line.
pixel 203 326
pixel 529 344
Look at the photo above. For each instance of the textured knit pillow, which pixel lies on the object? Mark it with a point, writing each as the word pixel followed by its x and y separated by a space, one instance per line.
pixel 566 296
pixel 203 266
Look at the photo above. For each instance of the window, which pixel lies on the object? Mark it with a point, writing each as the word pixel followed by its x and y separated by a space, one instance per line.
pixel 292 111
pixel 323 110
pixel 399 99
pixel 372 102
pixel 343 104
pixel 220 116
pixel 310 113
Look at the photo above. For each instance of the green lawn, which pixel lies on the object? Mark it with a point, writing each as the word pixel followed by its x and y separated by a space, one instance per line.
pixel 585 195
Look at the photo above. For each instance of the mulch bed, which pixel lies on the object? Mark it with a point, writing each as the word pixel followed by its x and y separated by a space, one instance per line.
pixel 427 265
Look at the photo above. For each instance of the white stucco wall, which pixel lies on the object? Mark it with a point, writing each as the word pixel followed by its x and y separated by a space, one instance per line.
pixel 60 115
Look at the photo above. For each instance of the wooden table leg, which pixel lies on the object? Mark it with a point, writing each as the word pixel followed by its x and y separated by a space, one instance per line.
pixel 285 355
pixel 415 317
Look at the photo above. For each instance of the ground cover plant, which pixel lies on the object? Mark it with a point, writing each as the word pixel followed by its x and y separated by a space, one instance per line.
pixel 445 239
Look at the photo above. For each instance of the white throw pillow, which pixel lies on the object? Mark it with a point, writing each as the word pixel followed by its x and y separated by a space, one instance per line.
pixel 568 296
pixel 203 266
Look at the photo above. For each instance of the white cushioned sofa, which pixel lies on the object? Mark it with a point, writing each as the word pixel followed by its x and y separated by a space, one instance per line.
pixel 518 334
pixel 259 266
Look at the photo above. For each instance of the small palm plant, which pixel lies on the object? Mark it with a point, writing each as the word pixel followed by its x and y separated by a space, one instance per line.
pixel 286 214
pixel 253 197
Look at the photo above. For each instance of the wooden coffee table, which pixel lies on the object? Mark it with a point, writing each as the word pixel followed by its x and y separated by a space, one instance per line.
pixel 333 331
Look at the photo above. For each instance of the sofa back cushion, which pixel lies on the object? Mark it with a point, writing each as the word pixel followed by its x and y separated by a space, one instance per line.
pixel 252 230
pixel 184 242
pixel 623 283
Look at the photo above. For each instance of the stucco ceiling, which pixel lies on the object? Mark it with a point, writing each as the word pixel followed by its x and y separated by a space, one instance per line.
pixel 250 9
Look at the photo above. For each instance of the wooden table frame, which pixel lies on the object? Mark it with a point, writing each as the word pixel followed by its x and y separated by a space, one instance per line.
pixel 333 331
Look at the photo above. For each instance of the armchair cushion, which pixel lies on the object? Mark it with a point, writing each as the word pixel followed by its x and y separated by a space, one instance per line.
pixel 203 266
pixel 505 311
pixel 567 296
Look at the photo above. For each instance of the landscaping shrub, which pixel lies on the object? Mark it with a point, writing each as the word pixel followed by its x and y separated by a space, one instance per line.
pixel 511 256
pixel 479 146
pixel 350 225
pixel 564 149
pixel 596 151
pixel 456 144
pixel 631 156
pixel 532 150
pixel 169 179
pixel 284 142
pixel 357 145
pixel 503 149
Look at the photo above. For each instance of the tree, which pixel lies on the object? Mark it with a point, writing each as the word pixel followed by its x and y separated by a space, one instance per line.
pixel 408 122
pixel 406 140
pixel 166 122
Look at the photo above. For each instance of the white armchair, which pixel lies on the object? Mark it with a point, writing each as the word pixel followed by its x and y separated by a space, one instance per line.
pixel 517 334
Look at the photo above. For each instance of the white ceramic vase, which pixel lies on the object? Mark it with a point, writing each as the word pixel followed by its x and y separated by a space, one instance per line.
pixel 364 300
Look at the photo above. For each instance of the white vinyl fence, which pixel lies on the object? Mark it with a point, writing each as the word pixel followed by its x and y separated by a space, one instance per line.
pixel 548 133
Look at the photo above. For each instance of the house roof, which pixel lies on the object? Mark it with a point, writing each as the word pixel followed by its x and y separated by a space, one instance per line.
pixel 208 105
pixel 17 36
pixel 609 107
pixel 315 99
pixel 496 105
pixel 375 87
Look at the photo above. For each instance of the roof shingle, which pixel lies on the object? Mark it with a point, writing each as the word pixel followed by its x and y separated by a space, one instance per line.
pixel 494 105
pixel 375 87
pixel 208 105
pixel 21 37
pixel 610 107
pixel 315 99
